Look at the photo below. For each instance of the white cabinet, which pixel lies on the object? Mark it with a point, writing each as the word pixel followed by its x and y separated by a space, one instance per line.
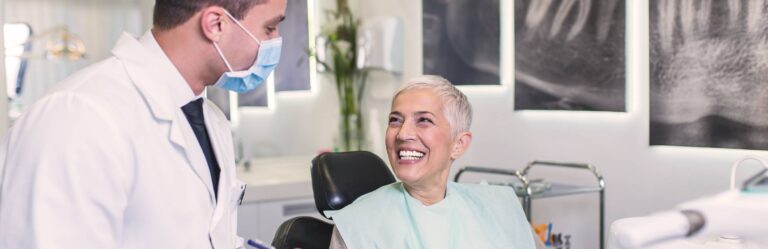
pixel 260 220
pixel 278 189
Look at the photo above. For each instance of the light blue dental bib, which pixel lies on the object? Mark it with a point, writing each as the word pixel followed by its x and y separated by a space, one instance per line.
pixel 470 216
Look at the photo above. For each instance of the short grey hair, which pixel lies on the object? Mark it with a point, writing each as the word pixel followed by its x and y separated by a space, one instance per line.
pixel 456 106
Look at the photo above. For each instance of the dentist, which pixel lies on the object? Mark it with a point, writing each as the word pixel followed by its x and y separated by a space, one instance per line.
pixel 127 153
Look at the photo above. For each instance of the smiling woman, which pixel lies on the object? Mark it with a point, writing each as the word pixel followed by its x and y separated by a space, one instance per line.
pixel 429 129
pixel 421 142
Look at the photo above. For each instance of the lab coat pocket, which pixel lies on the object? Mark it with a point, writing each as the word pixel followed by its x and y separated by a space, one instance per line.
pixel 236 199
pixel 238 193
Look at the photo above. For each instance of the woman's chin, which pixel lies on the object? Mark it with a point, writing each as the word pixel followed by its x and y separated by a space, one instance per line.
pixel 408 178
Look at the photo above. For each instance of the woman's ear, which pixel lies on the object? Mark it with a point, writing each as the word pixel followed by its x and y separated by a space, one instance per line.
pixel 461 144
pixel 212 22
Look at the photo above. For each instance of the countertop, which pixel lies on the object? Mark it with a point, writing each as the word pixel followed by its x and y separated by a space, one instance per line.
pixel 276 178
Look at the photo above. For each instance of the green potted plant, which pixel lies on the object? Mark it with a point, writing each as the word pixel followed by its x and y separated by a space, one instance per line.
pixel 340 46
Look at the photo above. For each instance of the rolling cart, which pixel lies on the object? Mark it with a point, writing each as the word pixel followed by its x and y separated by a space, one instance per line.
pixel 531 190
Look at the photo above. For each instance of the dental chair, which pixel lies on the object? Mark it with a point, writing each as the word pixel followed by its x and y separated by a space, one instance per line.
pixel 338 179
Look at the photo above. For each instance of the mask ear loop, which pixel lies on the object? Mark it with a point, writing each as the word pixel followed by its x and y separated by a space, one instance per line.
pixel 215 45
pixel 242 27
pixel 738 163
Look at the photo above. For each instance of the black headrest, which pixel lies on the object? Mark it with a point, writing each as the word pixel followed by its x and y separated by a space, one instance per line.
pixel 339 178
pixel 303 232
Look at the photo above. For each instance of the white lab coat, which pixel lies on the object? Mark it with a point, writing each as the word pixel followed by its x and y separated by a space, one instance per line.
pixel 108 160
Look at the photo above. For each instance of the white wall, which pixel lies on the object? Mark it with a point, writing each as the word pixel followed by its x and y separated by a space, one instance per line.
pixel 3 101
pixel 640 179
pixel 98 23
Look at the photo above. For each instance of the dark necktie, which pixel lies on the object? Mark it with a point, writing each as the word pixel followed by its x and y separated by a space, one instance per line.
pixel 194 112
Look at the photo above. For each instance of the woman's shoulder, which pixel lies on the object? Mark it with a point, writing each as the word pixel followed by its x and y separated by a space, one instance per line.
pixel 392 190
pixel 496 202
pixel 366 203
pixel 371 217
pixel 488 197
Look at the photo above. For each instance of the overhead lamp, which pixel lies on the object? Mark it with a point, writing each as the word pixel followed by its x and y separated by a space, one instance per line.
pixel 60 43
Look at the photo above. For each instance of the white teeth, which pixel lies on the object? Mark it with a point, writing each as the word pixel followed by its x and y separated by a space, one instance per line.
pixel 410 155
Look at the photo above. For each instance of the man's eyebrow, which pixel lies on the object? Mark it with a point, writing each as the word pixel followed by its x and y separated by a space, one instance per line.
pixel 276 19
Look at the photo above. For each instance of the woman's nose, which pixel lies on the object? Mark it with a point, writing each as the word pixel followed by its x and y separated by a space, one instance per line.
pixel 406 132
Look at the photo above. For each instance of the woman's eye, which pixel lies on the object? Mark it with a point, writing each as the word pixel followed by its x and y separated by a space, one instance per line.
pixel 421 120
pixel 393 120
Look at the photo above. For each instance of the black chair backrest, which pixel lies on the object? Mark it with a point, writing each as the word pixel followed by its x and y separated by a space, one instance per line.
pixel 338 179
pixel 303 232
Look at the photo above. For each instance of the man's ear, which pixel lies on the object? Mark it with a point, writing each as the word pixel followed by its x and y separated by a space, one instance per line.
pixel 461 144
pixel 212 22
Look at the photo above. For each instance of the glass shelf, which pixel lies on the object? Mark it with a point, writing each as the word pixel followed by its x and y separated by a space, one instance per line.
pixel 550 189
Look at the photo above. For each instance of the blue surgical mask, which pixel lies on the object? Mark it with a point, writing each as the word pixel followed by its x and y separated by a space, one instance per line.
pixel 265 63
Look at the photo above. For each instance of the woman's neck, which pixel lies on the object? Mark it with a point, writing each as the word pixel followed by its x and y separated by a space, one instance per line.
pixel 429 194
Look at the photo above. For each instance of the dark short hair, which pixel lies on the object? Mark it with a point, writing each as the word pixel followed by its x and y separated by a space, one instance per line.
pixel 171 13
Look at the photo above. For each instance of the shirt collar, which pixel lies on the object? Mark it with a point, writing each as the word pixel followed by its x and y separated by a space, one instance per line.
pixel 442 204
pixel 179 90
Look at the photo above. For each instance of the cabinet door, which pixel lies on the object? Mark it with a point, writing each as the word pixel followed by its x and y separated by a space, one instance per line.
pixel 248 221
pixel 260 220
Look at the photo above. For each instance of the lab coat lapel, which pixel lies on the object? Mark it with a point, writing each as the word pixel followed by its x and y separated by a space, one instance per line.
pixel 148 72
pixel 224 157
pixel 194 152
